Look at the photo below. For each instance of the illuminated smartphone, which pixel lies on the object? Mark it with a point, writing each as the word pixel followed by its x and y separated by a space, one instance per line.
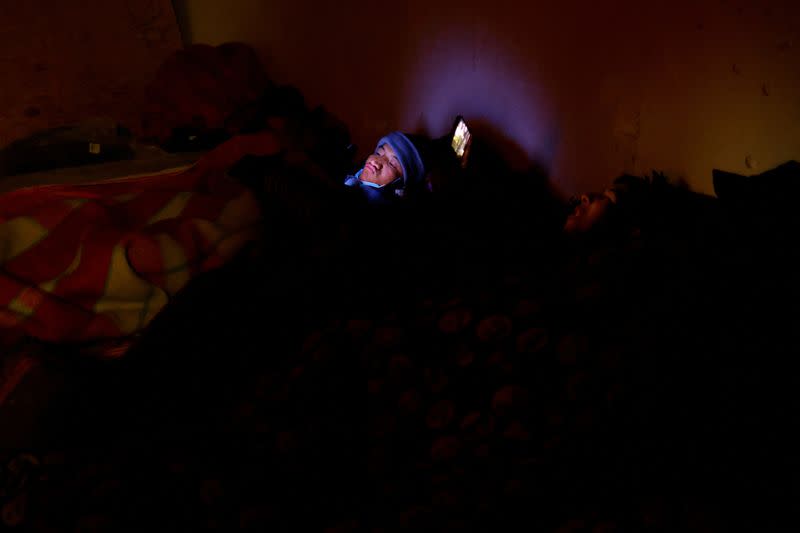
pixel 461 140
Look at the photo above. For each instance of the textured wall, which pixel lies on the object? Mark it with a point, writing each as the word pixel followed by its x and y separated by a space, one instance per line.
pixel 588 89
pixel 63 62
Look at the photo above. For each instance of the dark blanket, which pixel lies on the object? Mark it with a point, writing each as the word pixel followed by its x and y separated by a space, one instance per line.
pixel 615 385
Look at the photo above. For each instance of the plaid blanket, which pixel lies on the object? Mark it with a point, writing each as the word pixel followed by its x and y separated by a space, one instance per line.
pixel 98 261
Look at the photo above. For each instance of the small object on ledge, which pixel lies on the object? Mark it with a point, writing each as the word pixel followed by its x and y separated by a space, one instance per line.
pixel 92 141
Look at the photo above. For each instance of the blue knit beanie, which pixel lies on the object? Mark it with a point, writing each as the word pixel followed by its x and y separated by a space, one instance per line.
pixel 409 156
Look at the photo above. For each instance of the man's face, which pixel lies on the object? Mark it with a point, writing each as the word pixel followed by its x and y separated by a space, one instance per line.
pixel 382 167
pixel 591 210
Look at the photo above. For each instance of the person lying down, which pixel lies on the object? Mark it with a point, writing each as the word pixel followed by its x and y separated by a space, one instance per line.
pixel 395 169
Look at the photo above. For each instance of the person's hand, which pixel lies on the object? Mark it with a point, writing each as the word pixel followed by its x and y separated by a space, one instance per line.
pixel 263 143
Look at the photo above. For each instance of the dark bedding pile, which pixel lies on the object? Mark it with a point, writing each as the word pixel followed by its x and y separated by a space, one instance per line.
pixel 477 376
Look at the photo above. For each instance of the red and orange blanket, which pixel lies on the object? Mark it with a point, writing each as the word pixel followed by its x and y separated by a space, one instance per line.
pixel 97 261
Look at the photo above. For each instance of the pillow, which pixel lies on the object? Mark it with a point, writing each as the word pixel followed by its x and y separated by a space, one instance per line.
pixel 762 212
pixel 772 189
pixel 767 200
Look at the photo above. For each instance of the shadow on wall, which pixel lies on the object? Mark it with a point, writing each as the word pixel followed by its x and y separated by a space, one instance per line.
pixel 497 202
pixel 522 185
pixel 502 151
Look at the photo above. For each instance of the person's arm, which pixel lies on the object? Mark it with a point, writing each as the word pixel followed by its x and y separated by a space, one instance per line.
pixel 224 156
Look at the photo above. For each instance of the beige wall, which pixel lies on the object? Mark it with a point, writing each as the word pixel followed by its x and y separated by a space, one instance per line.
pixel 587 89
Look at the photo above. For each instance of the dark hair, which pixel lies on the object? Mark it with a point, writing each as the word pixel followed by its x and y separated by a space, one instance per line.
pixel 650 203
pixel 636 198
